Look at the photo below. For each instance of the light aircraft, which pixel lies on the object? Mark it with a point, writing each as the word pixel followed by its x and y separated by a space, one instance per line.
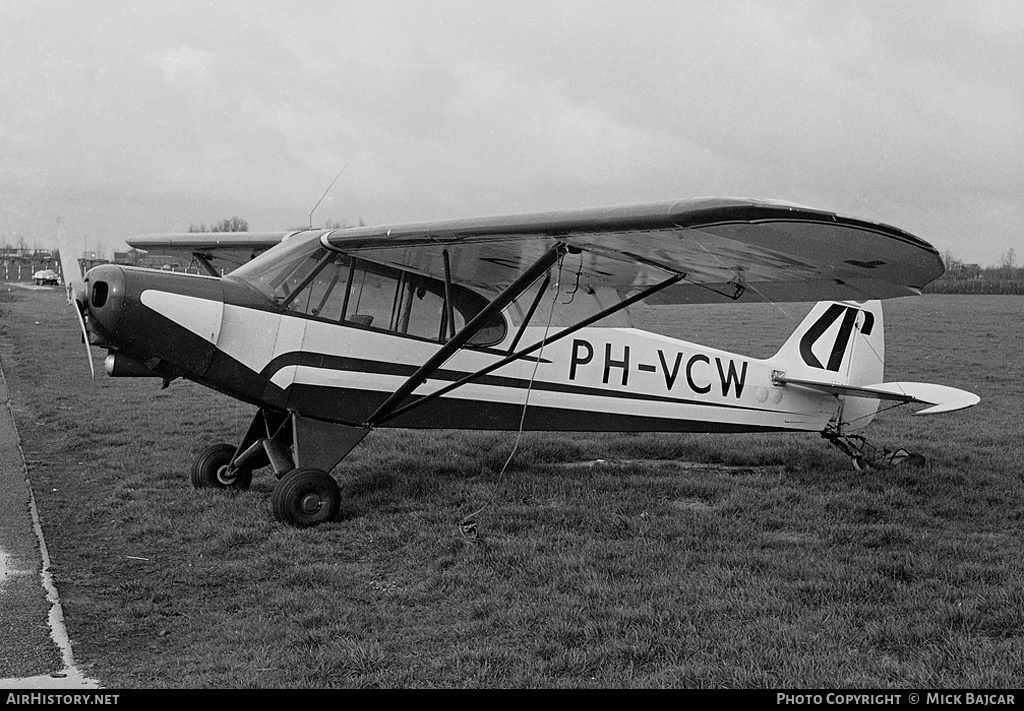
pixel 510 323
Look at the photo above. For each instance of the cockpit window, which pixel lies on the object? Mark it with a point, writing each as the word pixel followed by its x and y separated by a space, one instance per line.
pixel 304 277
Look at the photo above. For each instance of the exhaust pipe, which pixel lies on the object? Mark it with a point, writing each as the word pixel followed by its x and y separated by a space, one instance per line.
pixel 119 365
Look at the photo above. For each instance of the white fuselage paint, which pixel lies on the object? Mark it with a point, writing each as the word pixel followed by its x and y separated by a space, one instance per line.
pixel 200 316
pixel 620 371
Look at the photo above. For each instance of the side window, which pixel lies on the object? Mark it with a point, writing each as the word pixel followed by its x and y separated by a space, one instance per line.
pixel 422 312
pixel 371 298
pixel 467 305
pixel 326 285
pixel 421 309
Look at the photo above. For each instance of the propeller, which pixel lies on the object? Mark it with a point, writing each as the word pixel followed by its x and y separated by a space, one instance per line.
pixel 75 285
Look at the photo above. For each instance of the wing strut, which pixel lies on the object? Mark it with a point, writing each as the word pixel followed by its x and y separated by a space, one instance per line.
pixel 530 349
pixel 509 294
pixel 529 314
pixel 204 261
pixel 448 327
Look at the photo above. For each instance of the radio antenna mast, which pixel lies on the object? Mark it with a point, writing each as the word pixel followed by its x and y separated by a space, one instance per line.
pixel 325 195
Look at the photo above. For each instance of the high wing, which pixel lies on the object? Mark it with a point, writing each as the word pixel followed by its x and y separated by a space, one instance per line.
pixel 228 249
pixel 727 249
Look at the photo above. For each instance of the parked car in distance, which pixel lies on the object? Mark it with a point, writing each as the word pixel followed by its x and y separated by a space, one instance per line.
pixel 45 277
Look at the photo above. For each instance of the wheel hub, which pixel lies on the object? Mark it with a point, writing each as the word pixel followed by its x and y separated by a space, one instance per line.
pixel 226 475
pixel 311 503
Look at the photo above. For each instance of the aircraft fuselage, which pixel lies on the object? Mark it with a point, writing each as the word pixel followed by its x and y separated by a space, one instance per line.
pixel 224 335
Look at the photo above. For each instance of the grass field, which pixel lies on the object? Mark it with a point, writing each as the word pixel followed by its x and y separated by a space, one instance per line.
pixel 769 562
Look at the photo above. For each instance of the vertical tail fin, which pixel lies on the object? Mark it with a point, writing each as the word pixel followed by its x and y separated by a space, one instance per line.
pixel 840 343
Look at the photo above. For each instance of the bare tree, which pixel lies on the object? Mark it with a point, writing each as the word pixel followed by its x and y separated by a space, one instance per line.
pixel 234 224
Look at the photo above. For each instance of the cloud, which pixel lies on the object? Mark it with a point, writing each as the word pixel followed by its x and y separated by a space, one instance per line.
pixel 186 66
pixel 157 115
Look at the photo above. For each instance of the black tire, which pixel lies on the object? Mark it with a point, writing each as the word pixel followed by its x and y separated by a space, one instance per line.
pixel 306 497
pixel 211 470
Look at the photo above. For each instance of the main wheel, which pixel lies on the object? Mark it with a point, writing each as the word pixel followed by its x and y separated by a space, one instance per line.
pixel 306 497
pixel 211 469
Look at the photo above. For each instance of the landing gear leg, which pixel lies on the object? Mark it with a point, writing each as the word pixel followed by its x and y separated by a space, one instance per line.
pixel 308 495
pixel 300 450
pixel 223 466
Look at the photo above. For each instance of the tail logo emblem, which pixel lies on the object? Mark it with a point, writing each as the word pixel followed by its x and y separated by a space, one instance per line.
pixel 816 331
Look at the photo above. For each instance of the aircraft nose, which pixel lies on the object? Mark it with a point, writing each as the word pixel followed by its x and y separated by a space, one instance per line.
pixel 105 289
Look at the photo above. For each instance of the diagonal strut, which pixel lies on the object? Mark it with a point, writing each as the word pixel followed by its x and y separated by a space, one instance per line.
pixel 395 412
pixel 509 294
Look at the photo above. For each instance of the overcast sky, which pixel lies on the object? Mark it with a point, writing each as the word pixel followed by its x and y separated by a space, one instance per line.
pixel 125 118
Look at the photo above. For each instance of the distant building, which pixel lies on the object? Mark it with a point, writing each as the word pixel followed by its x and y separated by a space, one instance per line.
pixel 964 271
pixel 37 256
pixel 130 258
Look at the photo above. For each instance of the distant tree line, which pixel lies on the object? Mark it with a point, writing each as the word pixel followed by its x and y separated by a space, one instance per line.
pixel 964 278
pixel 237 224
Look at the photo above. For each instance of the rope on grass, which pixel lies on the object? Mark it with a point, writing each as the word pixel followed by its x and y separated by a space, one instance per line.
pixel 468 525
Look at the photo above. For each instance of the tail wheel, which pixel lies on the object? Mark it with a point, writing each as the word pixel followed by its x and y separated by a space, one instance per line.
pixel 306 497
pixel 211 469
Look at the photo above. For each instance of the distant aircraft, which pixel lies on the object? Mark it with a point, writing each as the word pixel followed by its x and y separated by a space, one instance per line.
pixel 459 325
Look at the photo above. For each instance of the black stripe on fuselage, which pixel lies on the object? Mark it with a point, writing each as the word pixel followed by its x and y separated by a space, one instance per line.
pixel 451 413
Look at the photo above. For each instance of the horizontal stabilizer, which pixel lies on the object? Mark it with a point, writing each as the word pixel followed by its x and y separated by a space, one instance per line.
pixel 941 398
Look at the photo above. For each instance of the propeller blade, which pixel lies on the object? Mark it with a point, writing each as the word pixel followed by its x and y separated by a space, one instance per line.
pixel 85 339
pixel 71 272
pixel 75 285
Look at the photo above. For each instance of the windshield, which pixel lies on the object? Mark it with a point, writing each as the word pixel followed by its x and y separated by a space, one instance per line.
pixel 281 268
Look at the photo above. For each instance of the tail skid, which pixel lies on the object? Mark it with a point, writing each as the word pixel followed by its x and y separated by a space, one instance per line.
pixel 865 455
